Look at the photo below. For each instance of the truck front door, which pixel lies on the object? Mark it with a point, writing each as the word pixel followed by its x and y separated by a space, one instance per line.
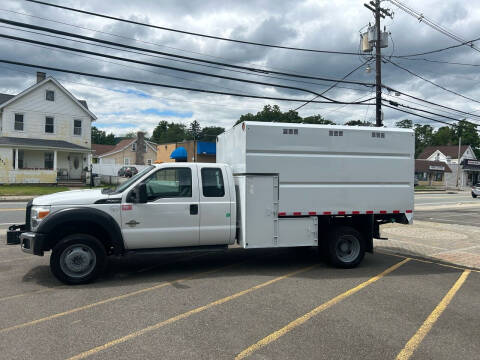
pixel 170 218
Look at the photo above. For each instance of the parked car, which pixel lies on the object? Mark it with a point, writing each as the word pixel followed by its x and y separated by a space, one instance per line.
pixel 127 171
pixel 476 190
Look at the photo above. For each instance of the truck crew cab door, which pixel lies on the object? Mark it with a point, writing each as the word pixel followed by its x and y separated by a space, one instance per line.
pixel 170 218
pixel 215 206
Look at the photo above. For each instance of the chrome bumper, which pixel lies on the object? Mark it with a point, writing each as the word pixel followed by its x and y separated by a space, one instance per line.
pixel 32 243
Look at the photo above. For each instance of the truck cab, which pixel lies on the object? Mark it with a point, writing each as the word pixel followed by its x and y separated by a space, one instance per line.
pixel 166 206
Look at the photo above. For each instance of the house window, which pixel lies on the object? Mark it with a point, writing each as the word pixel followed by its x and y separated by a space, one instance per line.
pixel 50 95
pixel 134 147
pixel 126 161
pixel 49 128
pixel 77 127
pixel 149 162
pixel 18 122
pixel 49 160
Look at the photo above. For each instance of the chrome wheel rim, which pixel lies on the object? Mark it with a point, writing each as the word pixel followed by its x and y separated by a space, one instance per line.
pixel 78 261
pixel 347 248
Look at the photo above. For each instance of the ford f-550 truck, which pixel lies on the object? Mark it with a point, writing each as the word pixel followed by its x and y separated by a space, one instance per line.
pixel 275 185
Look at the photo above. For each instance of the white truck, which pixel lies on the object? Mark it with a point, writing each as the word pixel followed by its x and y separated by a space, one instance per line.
pixel 275 185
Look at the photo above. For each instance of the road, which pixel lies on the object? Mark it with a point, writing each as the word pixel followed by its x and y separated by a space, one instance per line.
pixel 445 199
pixel 12 213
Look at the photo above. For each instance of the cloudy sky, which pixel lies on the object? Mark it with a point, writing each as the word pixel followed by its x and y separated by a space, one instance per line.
pixel 314 24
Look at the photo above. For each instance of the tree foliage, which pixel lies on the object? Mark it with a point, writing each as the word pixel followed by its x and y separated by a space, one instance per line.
pixel 427 135
pixel 167 132
pixel 273 113
pixel 101 137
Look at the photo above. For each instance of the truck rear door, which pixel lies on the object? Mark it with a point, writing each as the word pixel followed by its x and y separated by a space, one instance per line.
pixel 215 207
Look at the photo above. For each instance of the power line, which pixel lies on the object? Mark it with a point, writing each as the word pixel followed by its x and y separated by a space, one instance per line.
pixel 422 116
pixel 164 66
pixel 394 103
pixel 440 61
pixel 422 18
pixel 251 69
pixel 172 86
pixel 176 60
pixel 333 85
pixel 431 82
pixel 438 50
pixel 429 102
pixel 190 32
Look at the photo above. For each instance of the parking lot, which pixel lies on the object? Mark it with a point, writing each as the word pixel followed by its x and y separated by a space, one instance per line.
pixel 275 304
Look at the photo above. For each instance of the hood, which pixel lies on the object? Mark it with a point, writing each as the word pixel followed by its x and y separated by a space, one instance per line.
pixel 73 197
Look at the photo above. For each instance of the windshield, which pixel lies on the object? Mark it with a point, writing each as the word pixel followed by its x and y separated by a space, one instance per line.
pixel 120 188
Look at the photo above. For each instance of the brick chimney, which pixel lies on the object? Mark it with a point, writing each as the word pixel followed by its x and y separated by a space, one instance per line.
pixel 139 154
pixel 40 76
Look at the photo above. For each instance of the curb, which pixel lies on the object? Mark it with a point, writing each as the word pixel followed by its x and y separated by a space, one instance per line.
pixel 15 198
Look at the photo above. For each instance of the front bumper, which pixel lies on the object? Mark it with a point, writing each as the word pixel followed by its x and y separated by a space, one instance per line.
pixel 32 243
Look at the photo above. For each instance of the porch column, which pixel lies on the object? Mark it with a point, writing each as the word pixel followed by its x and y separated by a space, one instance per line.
pixel 16 159
pixel 55 160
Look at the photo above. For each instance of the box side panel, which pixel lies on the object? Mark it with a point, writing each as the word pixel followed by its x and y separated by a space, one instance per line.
pixel 231 149
pixel 258 220
pixel 298 231
pixel 240 190
pixel 364 169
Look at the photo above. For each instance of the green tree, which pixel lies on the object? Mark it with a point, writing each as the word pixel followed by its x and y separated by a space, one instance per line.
pixel 358 123
pixel 194 130
pixel 317 119
pixel 443 136
pixel 101 137
pixel 469 133
pixel 404 124
pixel 273 113
pixel 130 135
pixel 423 138
pixel 209 133
pixel 166 132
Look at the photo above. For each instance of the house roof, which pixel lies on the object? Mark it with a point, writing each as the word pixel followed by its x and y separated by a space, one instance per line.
pixel 7 99
pixel 123 144
pixel 428 166
pixel 39 143
pixel 447 150
pixel 100 149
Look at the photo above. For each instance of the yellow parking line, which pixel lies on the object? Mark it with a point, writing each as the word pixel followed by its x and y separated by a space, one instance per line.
pixel 184 315
pixel 108 300
pixel 301 320
pixel 416 339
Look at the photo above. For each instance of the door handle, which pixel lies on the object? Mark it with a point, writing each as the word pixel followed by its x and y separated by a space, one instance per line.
pixel 132 223
pixel 193 209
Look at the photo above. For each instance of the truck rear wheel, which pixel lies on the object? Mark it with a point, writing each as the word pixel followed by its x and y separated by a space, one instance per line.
pixel 346 247
pixel 78 259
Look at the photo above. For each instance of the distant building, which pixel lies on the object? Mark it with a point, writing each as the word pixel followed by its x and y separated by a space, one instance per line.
pixel 467 164
pixel 431 173
pixel 134 151
pixel 187 151
pixel 44 135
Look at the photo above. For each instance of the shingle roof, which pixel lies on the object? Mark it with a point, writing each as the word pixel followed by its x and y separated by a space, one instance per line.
pixel 447 150
pixel 123 143
pixel 424 166
pixel 100 149
pixel 5 97
pixel 60 144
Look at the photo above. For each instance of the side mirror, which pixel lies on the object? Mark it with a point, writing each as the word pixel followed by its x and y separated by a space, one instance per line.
pixel 141 194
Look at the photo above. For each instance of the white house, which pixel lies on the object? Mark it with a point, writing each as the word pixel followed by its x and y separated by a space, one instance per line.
pixel 45 134
pixel 467 164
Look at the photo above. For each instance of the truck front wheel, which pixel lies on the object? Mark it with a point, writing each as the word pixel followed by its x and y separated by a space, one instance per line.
pixel 346 247
pixel 78 259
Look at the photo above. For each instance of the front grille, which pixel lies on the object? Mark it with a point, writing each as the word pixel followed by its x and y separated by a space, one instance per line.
pixel 27 215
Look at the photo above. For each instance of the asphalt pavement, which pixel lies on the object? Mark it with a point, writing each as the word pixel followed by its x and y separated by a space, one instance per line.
pixel 258 304
pixel 12 213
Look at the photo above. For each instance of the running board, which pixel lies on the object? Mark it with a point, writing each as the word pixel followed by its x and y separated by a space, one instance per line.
pixel 176 250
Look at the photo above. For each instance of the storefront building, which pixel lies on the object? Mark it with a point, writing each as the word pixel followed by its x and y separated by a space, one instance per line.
pixel 431 173
pixel 471 169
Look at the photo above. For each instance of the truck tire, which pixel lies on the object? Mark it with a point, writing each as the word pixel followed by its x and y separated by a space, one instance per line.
pixel 345 247
pixel 78 259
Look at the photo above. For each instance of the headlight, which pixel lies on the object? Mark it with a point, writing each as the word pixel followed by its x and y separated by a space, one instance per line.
pixel 38 214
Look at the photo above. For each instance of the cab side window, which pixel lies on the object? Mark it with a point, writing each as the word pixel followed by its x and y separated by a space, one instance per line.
pixel 170 183
pixel 212 182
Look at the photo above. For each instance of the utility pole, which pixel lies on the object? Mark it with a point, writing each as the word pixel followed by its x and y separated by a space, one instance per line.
pixel 378 66
pixel 379 13
pixel 458 161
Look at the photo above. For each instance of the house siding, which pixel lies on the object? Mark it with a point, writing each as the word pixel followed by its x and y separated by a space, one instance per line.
pixel 119 157
pixel 35 108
